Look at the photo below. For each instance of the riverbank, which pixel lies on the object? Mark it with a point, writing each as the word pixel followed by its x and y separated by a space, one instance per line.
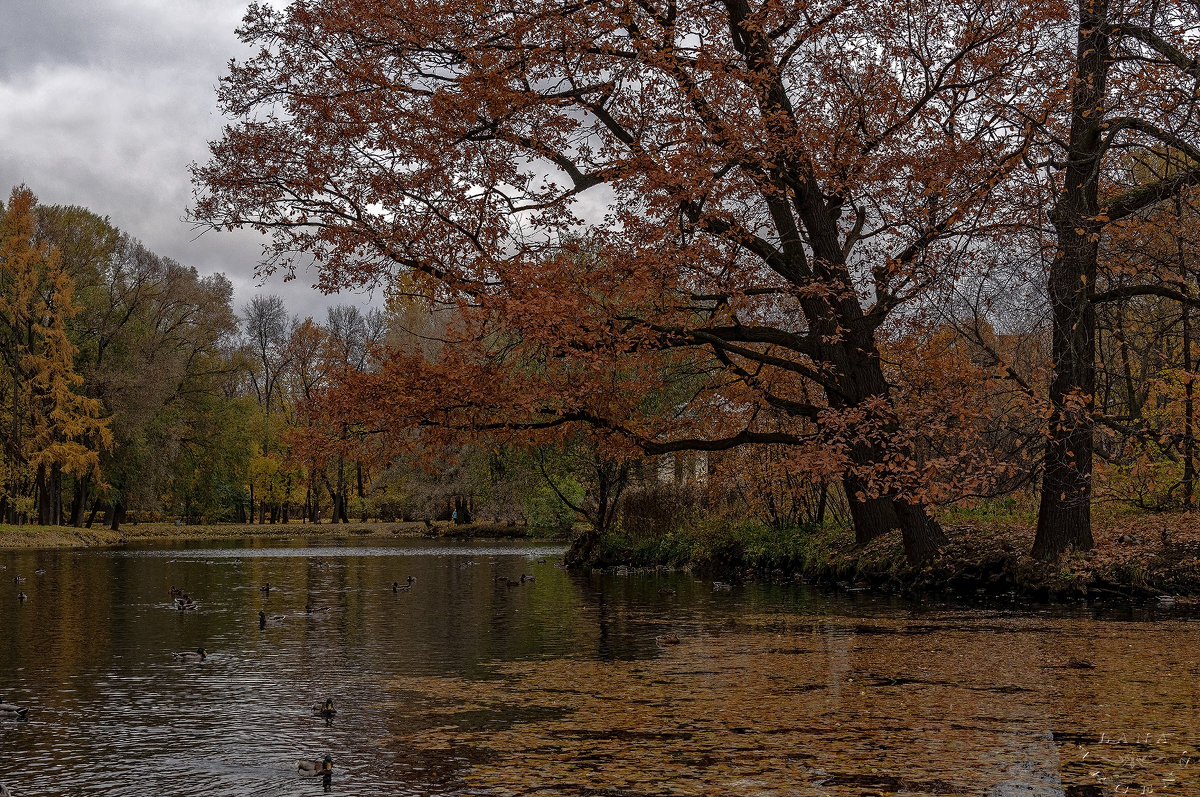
pixel 1136 556
pixel 68 537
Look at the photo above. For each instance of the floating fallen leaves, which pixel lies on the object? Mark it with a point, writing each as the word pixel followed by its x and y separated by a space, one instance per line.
pixel 870 707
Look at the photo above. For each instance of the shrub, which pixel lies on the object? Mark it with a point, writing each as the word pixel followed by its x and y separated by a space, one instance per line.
pixel 546 513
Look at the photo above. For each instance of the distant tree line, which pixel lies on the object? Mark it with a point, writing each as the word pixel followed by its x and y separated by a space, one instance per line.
pixel 128 381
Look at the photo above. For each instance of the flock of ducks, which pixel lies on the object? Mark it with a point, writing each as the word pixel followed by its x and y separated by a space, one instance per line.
pixel 182 601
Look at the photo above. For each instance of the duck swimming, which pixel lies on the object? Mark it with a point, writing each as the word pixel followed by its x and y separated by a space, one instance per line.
pixel 273 619
pixel 308 767
pixel 325 709
pixel 9 711
pixel 198 656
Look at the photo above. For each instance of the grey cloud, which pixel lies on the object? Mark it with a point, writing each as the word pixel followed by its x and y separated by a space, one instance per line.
pixel 104 103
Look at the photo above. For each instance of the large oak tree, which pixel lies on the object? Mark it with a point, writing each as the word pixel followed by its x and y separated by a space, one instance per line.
pixel 758 189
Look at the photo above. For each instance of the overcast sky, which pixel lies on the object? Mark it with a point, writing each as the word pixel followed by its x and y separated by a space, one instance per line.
pixel 104 103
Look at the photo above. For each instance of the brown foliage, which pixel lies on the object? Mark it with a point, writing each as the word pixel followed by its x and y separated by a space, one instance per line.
pixel 779 180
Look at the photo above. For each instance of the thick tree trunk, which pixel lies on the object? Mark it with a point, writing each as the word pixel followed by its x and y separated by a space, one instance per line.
pixel 858 360
pixel 118 515
pixel 872 517
pixel 921 534
pixel 582 548
pixel 1064 517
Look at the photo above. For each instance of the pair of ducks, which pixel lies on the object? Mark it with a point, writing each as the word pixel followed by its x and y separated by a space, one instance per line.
pixel 512 582
pixel 181 599
pixel 324 767
pixel 405 587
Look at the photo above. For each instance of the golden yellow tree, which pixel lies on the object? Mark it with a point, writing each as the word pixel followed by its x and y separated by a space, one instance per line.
pixel 50 428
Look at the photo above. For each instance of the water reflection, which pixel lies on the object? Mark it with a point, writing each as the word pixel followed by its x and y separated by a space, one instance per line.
pixel 472 682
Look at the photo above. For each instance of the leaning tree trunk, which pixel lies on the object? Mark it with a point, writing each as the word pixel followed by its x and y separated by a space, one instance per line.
pixel 1064 517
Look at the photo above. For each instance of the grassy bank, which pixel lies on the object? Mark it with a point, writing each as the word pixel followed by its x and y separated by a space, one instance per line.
pixel 1136 555
pixel 68 537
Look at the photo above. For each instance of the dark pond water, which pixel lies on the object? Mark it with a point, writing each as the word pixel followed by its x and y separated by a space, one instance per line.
pixel 631 684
